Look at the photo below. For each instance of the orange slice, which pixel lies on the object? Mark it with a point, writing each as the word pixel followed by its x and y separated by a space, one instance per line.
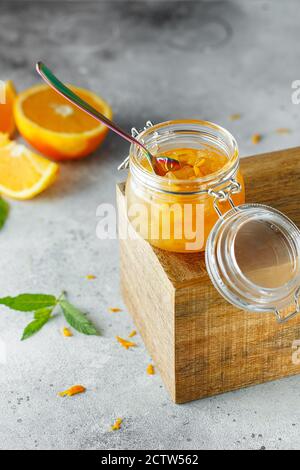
pixel 57 128
pixel 7 98
pixel 24 174
pixel 4 140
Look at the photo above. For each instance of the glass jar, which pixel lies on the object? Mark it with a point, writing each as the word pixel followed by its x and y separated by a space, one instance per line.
pixel 252 251
pixel 179 215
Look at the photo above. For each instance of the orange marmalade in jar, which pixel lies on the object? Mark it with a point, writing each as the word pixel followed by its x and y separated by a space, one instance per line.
pixel 177 209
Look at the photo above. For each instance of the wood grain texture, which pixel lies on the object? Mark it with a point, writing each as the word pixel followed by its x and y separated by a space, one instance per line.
pixel 201 344
pixel 147 293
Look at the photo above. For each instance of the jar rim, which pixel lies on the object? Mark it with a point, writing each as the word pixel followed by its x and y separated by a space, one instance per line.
pixel 220 136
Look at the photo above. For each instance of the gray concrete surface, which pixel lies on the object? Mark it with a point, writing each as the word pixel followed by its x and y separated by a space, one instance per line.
pixel 151 61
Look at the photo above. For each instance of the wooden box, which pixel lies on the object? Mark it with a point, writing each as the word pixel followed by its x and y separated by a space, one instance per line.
pixel 202 345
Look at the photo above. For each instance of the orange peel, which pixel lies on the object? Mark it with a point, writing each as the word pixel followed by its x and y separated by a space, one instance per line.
pixel 75 390
pixel 8 94
pixel 126 344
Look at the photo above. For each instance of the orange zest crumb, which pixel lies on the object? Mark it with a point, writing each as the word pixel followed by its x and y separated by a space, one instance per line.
pixel 126 344
pixel 67 333
pixel 196 171
pixel 283 130
pixel 200 163
pixel 256 138
pixel 235 117
pixel 150 370
pixel 197 167
pixel 90 277
pixel 132 334
pixel 114 310
pixel 75 390
pixel 117 425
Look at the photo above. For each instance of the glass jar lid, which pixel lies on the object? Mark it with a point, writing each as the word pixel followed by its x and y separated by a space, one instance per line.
pixel 253 259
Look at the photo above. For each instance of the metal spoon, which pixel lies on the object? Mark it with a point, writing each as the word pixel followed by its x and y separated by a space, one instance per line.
pixel 159 165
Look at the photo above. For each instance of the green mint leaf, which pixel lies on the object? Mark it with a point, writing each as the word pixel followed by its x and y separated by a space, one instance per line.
pixel 41 318
pixel 77 319
pixel 42 313
pixel 4 211
pixel 29 302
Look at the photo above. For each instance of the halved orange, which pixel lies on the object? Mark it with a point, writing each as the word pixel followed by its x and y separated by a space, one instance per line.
pixel 7 98
pixel 23 174
pixel 57 128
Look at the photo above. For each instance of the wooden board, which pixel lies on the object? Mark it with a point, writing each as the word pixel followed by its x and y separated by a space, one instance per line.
pixel 201 344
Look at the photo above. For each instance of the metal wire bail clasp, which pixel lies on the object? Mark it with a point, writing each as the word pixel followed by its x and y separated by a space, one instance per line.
pixel 224 194
pixel 282 319
pixel 135 133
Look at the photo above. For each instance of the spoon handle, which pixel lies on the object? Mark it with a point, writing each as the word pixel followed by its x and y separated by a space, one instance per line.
pixel 65 91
